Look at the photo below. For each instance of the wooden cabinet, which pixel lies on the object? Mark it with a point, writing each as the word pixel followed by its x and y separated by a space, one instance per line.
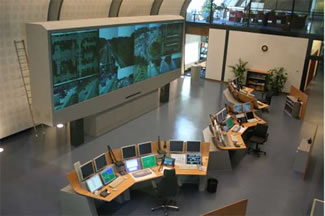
pixel 256 79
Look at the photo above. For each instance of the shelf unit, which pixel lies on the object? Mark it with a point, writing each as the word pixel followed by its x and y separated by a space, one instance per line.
pixel 256 79
pixel 292 106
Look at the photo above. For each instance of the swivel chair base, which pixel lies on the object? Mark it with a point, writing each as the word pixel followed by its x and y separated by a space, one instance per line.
pixel 164 207
pixel 257 150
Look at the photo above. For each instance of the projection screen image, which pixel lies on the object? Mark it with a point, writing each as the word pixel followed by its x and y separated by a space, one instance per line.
pixel 93 62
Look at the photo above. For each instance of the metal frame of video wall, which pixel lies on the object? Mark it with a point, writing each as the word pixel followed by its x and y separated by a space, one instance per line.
pixel 88 68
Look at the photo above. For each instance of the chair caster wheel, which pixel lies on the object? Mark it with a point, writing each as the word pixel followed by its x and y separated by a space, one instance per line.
pixel 264 153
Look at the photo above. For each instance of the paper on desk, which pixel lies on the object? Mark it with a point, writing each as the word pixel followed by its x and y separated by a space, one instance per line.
pixel 167 168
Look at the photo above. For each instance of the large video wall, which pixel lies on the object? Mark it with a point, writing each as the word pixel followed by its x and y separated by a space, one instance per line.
pixel 90 63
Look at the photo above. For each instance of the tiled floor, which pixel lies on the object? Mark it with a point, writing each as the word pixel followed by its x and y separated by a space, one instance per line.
pixel 33 169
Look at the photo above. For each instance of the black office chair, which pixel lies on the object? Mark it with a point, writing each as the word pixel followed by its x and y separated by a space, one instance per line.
pixel 267 98
pixel 167 188
pixel 259 137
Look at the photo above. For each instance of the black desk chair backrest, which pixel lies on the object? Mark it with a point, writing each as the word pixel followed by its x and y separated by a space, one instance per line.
pixel 261 130
pixel 168 185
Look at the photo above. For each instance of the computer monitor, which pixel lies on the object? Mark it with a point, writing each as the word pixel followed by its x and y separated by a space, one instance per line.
pixel 132 165
pixel 229 122
pixel 247 107
pixel 100 162
pixel 87 170
pixel 148 161
pixel 238 108
pixel 250 115
pixel 176 146
pixel 224 113
pixel 145 148
pixel 128 152
pixel 194 158
pixel 168 161
pixel 220 117
pixel 193 146
pixel 94 183
pixel 108 175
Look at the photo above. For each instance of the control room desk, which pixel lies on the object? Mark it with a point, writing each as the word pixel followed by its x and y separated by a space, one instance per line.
pixel 220 155
pixel 122 190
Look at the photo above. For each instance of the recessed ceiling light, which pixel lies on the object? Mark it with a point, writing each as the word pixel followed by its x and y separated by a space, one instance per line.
pixel 60 125
pixel 1 149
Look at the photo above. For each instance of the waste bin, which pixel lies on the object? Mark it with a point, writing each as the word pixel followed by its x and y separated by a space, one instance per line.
pixel 212 185
pixel 195 72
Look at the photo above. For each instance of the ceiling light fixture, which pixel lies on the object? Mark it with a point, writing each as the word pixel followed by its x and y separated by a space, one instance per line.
pixel 60 125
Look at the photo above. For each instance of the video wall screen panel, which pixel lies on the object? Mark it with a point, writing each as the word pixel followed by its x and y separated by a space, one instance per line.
pixel 91 62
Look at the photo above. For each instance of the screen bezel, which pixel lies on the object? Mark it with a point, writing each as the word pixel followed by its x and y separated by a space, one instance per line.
pixel 109 167
pixel 250 107
pixel 176 141
pixel 95 164
pixel 82 176
pixel 140 144
pixel 135 149
pixel 151 155
pixel 193 141
pixel 99 180
pixel 138 164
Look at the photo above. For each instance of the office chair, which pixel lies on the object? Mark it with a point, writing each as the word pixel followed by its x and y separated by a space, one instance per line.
pixel 167 188
pixel 259 137
pixel 267 98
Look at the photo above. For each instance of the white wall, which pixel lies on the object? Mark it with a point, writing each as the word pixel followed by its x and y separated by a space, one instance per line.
pixel 192 49
pixel 14 113
pixel 287 52
pixel 216 48
pixel 82 9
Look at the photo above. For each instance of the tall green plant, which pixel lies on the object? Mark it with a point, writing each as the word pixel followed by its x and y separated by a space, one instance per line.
pixel 239 70
pixel 276 79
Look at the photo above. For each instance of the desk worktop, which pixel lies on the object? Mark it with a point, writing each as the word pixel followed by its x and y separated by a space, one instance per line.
pixel 129 180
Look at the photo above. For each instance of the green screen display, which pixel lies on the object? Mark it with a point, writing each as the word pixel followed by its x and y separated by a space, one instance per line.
pixel 229 122
pixel 148 161
pixel 108 175
pixel 93 62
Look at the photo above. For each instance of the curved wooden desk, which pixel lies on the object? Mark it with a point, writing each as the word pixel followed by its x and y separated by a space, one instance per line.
pixel 239 135
pixel 129 182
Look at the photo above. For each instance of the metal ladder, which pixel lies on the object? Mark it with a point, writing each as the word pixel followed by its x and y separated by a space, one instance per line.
pixel 25 75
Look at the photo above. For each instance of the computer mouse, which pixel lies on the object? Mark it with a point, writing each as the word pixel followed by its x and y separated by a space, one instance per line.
pixel 237 145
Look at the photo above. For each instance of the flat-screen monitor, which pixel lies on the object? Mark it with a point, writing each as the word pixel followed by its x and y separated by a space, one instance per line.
pixel 247 107
pixel 250 115
pixel 94 183
pixel 229 122
pixel 220 117
pixel 238 108
pixel 128 152
pixel 176 146
pixel 108 175
pixel 168 161
pixel 145 148
pixel 132 165
pixel 87 170
pixel 194 158
pixel 148 161
pixel 193 146
pixel 100 162
pixel 224 113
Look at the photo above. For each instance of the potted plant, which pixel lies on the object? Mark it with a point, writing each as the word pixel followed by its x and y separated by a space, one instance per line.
pixel 276 80
pixel 239 70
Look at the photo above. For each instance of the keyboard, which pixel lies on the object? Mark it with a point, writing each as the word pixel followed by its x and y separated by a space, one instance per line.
pixel 188 166
pixel 117 182
pixel 252 120
pixel 234 138
pixel 141 173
